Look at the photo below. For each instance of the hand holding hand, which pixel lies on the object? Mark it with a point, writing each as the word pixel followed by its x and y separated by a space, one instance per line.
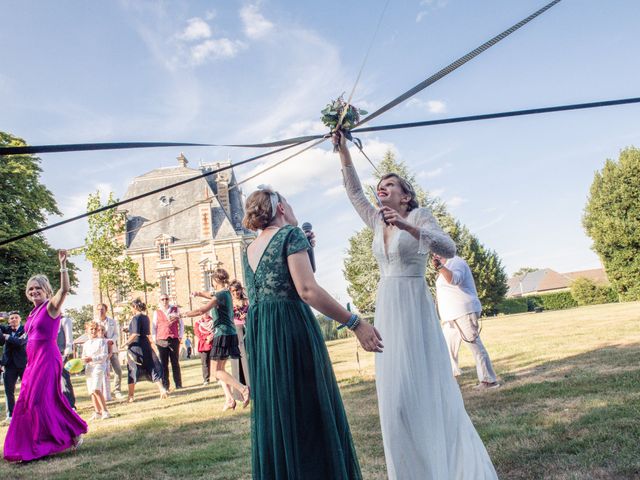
pixel 436 262
pixel 86 359
pixel 369 337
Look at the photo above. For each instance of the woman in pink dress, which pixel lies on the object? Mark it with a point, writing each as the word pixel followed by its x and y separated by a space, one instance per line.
pixel 43 423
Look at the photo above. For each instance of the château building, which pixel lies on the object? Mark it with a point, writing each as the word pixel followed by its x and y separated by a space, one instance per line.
pixel 179 236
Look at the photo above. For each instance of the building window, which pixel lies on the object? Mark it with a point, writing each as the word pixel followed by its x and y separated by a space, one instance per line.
pixel 164 251
pixel 165 286
pixel 208 280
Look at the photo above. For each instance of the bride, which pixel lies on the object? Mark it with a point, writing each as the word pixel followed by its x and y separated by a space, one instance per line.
pixel 426 431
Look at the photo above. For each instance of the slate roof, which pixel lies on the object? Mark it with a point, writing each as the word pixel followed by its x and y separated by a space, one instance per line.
pixel 183 226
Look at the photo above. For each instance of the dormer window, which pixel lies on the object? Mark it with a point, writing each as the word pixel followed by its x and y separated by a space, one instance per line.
pixel 164 250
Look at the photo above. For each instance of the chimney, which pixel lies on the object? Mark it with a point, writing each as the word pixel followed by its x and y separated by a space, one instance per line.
pixel 182 160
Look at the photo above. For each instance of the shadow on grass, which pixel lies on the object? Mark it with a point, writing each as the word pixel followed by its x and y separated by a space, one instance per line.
pixel 576 418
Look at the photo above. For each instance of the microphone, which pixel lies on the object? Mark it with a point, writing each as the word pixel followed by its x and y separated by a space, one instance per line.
pixel 306 228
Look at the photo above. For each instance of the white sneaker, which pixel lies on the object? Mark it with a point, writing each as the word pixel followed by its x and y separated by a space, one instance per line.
pixel 119 395
pixel 95 416
pixel 106 415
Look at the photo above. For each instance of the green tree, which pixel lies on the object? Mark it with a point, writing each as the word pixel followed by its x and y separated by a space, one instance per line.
pixel 104 247
pixel 79 318
pixel 361 269
pixel 24 205
pixel 612 220
pixel 524 271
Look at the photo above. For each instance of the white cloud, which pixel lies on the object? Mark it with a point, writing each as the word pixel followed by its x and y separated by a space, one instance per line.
pixel 455 201
pixel 196 29
pixel 215 48
pixel 421 15
pixel 431 173
pixel 431 106
pixel 255 25
pixel 437 192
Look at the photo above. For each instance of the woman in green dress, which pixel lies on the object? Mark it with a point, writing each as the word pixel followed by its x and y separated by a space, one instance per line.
pixel 299 426
pixel 225 339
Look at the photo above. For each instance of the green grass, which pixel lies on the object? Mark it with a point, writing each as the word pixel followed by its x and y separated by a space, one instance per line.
pixel 569 409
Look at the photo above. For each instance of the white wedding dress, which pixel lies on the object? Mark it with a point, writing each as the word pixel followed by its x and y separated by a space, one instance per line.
pixel 426 431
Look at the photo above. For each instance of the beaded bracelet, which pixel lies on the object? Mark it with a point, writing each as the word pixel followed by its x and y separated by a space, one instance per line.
pixel 352 323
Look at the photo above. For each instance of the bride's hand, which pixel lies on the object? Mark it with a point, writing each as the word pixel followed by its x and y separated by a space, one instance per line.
pixel 369 337
pixel 338 140
pixel 392 217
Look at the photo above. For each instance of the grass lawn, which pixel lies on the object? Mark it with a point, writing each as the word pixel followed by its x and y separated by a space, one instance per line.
pixel 569 409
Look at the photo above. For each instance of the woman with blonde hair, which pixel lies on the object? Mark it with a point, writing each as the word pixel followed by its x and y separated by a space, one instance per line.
pixel 43 423
pixel 299 425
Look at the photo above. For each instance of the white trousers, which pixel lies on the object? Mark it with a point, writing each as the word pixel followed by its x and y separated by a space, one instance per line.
pixel 467 325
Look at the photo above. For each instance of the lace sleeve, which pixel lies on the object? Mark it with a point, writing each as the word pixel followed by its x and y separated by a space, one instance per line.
pixel 432 237
pixel 296 241
pixel 359 201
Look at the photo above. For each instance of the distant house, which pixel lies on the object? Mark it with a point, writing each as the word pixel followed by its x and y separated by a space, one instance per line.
pixel 547 280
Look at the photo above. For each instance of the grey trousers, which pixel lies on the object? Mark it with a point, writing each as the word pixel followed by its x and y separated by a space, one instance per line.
pixel 117 370
pixel 468 324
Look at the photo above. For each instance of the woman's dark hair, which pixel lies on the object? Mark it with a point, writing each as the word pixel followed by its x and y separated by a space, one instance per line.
pixel 139 305
pixel 236 285
pixel 406 187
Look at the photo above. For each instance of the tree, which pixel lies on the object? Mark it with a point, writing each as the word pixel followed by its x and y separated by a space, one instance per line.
pixel 361 269
pixel 79 318
pixel 104 247
pixel 612 220
pixel 24 205
pixel 586 292
pixel 524 270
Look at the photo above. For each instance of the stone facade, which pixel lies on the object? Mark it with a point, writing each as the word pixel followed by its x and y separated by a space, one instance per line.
pixel 180 235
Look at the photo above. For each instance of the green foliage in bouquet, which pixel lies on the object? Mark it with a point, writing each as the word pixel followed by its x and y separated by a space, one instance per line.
pixel 333 111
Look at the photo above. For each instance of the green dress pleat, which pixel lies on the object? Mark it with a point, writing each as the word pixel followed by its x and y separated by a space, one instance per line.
pixel 299 426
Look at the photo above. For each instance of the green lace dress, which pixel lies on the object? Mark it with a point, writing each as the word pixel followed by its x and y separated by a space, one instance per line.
pixel 299 426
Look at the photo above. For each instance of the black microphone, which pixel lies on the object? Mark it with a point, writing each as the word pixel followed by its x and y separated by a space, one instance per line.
pixel 306 228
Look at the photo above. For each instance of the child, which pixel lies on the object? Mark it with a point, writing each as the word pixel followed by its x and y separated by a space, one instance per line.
pixel 95 353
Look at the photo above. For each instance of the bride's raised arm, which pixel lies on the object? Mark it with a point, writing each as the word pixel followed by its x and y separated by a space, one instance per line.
pixel 367 212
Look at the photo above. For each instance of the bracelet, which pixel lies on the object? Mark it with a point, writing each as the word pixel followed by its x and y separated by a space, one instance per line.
pixel 65 269
pixel 352 323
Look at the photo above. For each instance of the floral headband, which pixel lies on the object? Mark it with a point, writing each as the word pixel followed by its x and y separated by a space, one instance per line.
pixel 273 196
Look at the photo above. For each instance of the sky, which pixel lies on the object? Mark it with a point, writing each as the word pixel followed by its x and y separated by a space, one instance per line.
pixel 251 71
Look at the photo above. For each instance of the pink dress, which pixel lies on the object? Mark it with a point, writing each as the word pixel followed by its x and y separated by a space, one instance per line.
pixel 43 423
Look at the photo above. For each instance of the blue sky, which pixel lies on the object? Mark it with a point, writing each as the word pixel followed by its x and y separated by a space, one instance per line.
pixel 234 71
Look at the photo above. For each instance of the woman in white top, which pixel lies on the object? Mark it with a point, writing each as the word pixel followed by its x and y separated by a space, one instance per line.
pixel 426 432
pixel 95 354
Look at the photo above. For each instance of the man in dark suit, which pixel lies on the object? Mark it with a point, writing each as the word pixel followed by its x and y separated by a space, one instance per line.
pixel 14 358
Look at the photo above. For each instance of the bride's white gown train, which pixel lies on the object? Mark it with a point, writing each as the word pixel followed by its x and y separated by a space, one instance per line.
pixel 426 431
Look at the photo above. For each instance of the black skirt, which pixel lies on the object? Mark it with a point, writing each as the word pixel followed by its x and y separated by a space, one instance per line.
pixel 224 347
pixel 143 363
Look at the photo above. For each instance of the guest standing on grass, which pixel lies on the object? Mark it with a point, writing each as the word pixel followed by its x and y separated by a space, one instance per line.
pixel 239 368
pixel 111 329
pixel 299 426
pixel 14 357
pixel 225 339
pixel 460 309
pixel 167 330
pixel 203 329
pixel 142 357
pixel 43 422
pixel 95 354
